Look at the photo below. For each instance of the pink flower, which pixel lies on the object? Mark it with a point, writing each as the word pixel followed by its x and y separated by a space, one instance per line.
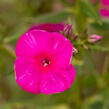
pixel 43 63
pixel 105 2
pixel 94 38
pixel 48 27
pixel 104 8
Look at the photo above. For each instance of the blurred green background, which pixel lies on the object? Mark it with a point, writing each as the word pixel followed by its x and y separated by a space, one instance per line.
pixel 91 87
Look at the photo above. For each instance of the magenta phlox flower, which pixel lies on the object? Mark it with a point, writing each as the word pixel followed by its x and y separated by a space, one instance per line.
pixel 43 63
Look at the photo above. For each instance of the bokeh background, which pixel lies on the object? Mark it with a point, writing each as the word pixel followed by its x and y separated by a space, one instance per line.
pixel 91 87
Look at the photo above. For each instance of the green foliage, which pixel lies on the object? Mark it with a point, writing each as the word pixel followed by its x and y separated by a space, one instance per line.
pixel 99 48
pixel 103 27
pixel 51 17
pixel 91 11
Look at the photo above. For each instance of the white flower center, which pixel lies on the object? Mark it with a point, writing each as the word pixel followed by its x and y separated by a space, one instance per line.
pixel 45 62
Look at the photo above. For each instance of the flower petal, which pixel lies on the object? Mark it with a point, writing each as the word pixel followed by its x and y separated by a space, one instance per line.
pixel 104 12
pixel 57 80
pixel 27 75
pixel 105 2
pixel 67 73
pixel 62 49
pixel 48 27
pixel 32 43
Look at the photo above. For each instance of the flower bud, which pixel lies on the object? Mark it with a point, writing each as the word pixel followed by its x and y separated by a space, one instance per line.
pixel 68 31
pixel 94 38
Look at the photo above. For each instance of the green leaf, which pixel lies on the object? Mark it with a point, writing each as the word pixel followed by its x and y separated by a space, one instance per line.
pixel 91 11
pixel 102 27
pixel 99 48
pixel 51 17
pixel 16 33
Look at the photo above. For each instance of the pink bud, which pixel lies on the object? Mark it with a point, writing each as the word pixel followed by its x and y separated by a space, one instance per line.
pixel 67 29
pixel 94 38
